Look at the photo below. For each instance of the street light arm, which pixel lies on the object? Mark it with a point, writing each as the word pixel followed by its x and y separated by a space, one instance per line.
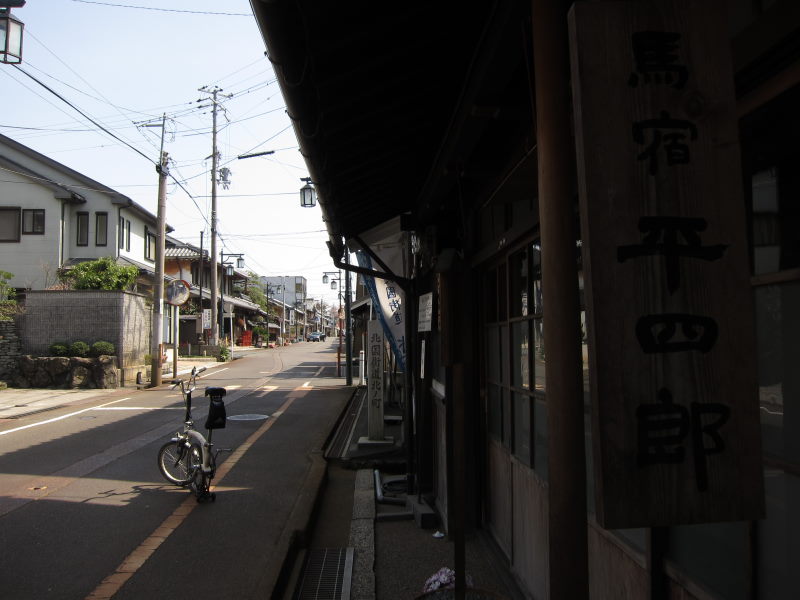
pixel 241 156
pixel 403 282
pixel 372 254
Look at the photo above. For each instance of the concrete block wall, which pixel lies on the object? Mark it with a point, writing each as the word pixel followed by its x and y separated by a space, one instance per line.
pixel 122 318
pixel 10 349
pixel 136 330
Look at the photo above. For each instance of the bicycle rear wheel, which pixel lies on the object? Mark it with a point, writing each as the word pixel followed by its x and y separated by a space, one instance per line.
pixel 178 463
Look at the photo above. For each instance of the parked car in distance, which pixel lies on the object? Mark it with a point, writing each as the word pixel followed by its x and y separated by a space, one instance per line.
pixel 316 336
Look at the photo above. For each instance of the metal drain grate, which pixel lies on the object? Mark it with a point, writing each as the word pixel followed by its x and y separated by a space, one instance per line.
pixel 326 575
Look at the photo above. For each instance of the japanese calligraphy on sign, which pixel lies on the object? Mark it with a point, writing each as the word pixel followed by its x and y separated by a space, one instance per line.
pixel 669 310
pixel 375 369
pixel 388 302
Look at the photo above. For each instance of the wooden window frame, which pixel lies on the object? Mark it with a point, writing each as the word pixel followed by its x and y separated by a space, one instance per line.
pixel 82 217
pixel 98 216
pixel 149 248
pixel 18 211
pixel 34 212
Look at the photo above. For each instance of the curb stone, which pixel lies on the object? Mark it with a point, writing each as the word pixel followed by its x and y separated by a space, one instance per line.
pixel 362 537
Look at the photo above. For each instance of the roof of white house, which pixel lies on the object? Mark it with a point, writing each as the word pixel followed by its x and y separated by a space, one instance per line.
pixel 74 182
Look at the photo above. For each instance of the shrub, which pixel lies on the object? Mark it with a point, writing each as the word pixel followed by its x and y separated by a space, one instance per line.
pixel 59 349
pixel 100 347
pixel 79 348
pixel 224 353
pixel 8 305
pixel 100 274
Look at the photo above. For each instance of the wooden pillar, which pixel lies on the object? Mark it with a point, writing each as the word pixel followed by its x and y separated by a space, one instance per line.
pixel 655 552
pixel 568 553
pixel 455 302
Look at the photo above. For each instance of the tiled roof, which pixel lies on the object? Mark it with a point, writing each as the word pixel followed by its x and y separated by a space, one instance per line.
pixel 181 252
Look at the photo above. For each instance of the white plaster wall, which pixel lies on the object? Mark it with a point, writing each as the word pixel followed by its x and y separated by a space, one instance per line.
pixel 34 255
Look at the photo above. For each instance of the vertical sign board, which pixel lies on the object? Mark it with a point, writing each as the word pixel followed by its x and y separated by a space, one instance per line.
pixel 673 384
pixel 375 380
pixel 388 302
pixel 425 317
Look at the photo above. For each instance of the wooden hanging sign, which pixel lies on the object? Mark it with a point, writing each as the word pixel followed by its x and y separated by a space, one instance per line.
pixel 676 434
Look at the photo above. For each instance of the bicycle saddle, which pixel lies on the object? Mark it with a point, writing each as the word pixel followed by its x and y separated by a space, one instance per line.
pixel 215 392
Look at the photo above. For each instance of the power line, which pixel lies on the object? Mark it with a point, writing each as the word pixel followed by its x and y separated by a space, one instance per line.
pixel 102 97
pixel 197 132
pixel 280 234
pixel 259 195
pixel 239 70
pixel 46 129
pixel 67 102
pixel 175 10
pixel 60 97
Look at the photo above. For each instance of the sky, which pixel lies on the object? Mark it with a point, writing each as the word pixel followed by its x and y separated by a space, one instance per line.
pixel 125 64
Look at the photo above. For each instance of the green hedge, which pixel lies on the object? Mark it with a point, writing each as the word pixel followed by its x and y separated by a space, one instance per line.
pixel 82 349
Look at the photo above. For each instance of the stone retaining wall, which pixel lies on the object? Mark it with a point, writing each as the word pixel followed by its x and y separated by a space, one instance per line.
pixel 63 372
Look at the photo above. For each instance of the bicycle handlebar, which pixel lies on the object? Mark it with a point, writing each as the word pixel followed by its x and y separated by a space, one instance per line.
pixel 191 384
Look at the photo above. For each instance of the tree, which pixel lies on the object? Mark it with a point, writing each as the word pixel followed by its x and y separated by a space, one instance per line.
pixel 100 274
pixel 255 292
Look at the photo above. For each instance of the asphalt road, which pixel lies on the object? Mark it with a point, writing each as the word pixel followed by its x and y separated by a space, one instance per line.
pixel 84 512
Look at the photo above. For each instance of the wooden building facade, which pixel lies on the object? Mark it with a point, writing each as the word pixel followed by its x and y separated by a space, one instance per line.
pixel 599 199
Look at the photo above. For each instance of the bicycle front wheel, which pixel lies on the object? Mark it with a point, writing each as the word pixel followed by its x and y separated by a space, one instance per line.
pixel 178 463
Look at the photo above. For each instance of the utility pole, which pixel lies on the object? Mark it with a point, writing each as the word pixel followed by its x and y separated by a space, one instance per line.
pixel 158 292
pixel 283 302
pixel 200 285
pixel 214 157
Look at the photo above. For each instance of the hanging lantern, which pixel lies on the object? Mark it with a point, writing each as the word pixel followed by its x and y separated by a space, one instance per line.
pixel 308 195
pixel 10 37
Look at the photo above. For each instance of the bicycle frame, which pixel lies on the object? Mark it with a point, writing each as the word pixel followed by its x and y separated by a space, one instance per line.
pixel 190 434
pixel 189 437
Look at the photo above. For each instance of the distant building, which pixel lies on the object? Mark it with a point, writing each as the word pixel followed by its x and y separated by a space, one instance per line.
pixel 289 288
pixel 290 293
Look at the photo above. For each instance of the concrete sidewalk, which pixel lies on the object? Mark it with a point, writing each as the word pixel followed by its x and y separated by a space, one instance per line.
pixel 20 402
pixel 397 541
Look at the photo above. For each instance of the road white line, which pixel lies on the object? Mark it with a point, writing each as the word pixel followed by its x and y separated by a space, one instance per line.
pixel 267 390
pixel 139 408
pixel 214 372
pixel 61 417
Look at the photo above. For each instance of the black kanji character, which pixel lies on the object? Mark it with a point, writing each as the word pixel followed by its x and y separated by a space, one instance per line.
pixel 661 238
pixel 656 56
pixel 668 133
pixel 700 333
